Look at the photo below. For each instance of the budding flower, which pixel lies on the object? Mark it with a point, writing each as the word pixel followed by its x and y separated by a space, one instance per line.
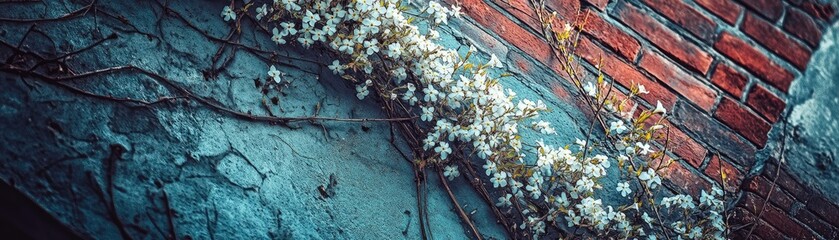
pixel 660 108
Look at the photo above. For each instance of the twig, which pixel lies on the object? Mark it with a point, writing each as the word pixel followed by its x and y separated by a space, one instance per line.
pixel 460 212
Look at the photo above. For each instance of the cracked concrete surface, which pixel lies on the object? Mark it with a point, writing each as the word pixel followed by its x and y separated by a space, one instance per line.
pixel 215 176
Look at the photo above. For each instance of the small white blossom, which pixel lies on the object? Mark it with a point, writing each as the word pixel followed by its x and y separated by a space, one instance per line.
pixel 261 11
pixel 499 180
pixel 451 172
pixel 275 74
pixel 228 14
pixel 443 149
pixel 623 188
pixel 659 108
pixel 490 168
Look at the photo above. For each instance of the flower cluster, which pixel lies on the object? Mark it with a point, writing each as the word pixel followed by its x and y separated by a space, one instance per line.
pixel 465 112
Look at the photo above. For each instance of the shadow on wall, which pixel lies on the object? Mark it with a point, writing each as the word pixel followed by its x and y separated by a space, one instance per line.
pixel 22 218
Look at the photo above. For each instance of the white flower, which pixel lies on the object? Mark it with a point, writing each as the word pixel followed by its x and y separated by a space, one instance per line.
pixel 455 12
pixel 645 148
pixel 499 179
pixel 646 217
pixel 544 127
pixel 443 149
pixel 394 50
pixel 494 62
pixel 504 201
pixel 277 37
pixel 590 89
pixel 695 233
pixel 451 172
pixel 336 67
pixel 659 108
pixel 623 188
pixel 288 29
pixel 642 89
pixel 290 5
pixel 261 11
pixel 490 167
pixel 228 14
pixel 572 218
pixel 650 177
pixel 617 127
pixel 310 18
pixel 427 114
pixel 274 74
pixel 361 91
pixel 372 46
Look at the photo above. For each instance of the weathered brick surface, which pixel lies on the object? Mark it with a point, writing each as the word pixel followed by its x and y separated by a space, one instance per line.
pixel 729 80
pixel 664 38
pixel 802 26
pixel 818 9
pixel 685 16
pixel 771 9
pixel 707 130
pixel 824 208
pixel 766 103
pixel 624 73
pixel 715 169
pixel 737 117
pixel 726 10
pixel 687 54
pixel 681 82
pixel 611 36
pixel 775 40
pixel 816 224
pixel 684 178
pixel 786 181
pixel 753 60
pixel 762 229
pixel 761 186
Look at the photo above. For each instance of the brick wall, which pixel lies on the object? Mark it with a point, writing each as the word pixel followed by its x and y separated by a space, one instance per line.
pixel 723 67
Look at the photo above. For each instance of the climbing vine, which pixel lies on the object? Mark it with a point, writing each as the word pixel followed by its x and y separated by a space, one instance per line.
pixel 462 114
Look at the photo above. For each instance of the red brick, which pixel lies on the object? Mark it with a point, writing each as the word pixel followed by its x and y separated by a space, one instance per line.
pixel 679 143
pixel 753 60
pixel 611 36
pixel 681 82
pixel 742 217
pixel 733 176
pixel 599 4
pixel 685 16
pixel 508 30
pixel 727 10
pixel 766 103
pixel 811 220
pixel 625 74
pixel 761 186
pixel 667 40
pixel 774 216
pixel 801 25
pixel 776 41
pixel 786 181
pixel 823 11
pixel 729 80
pixel 770 9
pixel 521 10
pixel 566 10
pixel 685 179
pixel 740 119
pixel 825 209
pixel 712 133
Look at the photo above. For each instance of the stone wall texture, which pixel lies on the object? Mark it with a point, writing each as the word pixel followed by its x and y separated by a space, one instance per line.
pixel 724 67
pixel 94 157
